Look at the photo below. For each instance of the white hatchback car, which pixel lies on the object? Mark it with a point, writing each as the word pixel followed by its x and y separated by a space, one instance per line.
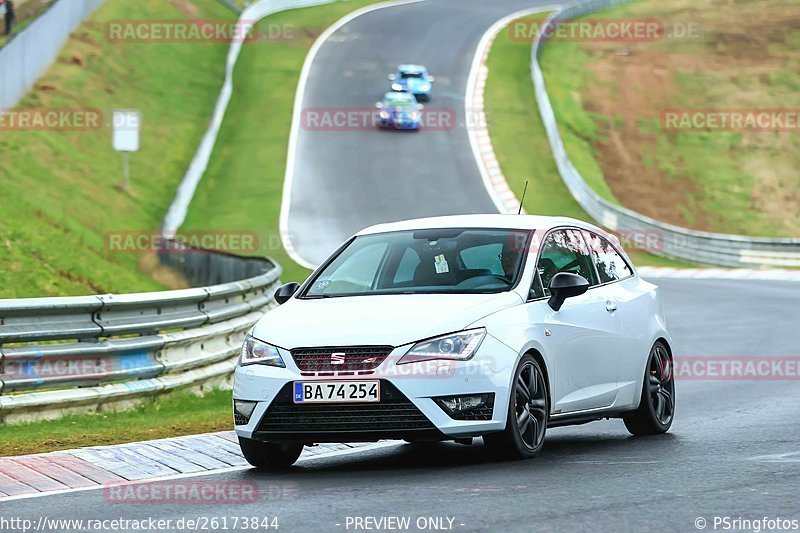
pixel 493 326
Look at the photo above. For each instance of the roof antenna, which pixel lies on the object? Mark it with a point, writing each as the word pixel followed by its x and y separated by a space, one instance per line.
pixel 523 197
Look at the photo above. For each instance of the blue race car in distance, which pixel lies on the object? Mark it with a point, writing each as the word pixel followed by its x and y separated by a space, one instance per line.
pixel 413 79
pixel 399 111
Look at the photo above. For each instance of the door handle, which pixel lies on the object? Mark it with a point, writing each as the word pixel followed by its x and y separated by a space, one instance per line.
pixel 611 306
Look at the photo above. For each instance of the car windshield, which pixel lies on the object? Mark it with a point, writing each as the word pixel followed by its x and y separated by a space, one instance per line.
pixel 450 260
pixel 417 75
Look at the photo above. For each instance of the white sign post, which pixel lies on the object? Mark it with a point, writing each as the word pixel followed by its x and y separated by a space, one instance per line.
pixel 126 138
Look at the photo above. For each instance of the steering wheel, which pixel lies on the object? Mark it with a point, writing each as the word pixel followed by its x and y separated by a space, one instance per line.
pixel 571 265
pixel 495 276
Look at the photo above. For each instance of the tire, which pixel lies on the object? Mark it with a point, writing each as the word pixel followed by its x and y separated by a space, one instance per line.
pixel 270 455
pixel 523 437
pixel 657 405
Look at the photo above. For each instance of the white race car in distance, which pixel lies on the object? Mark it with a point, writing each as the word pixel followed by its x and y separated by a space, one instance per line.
pixel 450 328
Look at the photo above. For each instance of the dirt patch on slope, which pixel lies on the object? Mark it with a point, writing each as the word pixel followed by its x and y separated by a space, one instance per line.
pixel 742 44
pixel 186 7
pixel 631 88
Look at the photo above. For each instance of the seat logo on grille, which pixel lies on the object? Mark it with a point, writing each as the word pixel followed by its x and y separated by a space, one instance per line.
pixel 337 358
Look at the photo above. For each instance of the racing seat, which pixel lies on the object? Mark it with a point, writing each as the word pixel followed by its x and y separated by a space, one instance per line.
pixel 547 269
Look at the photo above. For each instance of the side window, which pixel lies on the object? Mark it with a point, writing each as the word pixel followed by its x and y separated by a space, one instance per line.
pixel 564 250
pixel 611 266
pixel 408 265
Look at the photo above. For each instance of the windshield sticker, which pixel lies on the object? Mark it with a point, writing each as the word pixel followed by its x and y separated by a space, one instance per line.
pixel 322 284
pixel 441 264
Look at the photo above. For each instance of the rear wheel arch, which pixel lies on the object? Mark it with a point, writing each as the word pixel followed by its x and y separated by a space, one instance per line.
pixel 666 344
pixel 656 410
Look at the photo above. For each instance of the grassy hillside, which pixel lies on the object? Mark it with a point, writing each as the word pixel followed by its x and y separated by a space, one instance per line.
pixel 520 141
pixel 716 54
pixel 57 188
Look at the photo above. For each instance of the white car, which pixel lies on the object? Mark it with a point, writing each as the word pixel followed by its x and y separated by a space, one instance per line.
pixel 450 328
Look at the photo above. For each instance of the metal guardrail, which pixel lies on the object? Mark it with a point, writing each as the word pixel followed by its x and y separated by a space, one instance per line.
pixel 667 240
pixel 123 346
pixel 59 354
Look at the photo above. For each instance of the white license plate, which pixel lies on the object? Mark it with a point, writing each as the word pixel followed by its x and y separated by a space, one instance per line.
pixel 336 391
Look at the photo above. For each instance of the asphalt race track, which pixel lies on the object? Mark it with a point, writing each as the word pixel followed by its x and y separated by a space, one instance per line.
pixel 734 448
pixel 728 453
pixel 347 179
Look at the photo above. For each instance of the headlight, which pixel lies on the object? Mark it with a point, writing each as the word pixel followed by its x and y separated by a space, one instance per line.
pixel 256 352
pixel 425 87
pixel 459 346
pixel 397 87
pixel 384 114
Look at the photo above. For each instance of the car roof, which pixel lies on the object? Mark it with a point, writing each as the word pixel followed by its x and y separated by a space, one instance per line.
pixel 411 68
pixel 522 222
pixel 395 95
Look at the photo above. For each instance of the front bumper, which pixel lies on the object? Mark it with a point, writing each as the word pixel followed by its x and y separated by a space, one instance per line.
pixel 407 409
pixel 398 125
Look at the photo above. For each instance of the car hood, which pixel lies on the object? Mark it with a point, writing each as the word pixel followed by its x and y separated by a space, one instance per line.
pixel 401 111
pixel 394 320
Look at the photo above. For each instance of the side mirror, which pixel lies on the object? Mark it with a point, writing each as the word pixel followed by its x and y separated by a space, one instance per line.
pixel 379 104
pixel 565 285
pixel 286 292
pixel 420 106
pixel 431 79
pixel 392 77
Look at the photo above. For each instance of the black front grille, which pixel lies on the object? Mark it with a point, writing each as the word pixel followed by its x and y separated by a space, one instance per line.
pixel 394 412
pixel 479 413
pixel 354 358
